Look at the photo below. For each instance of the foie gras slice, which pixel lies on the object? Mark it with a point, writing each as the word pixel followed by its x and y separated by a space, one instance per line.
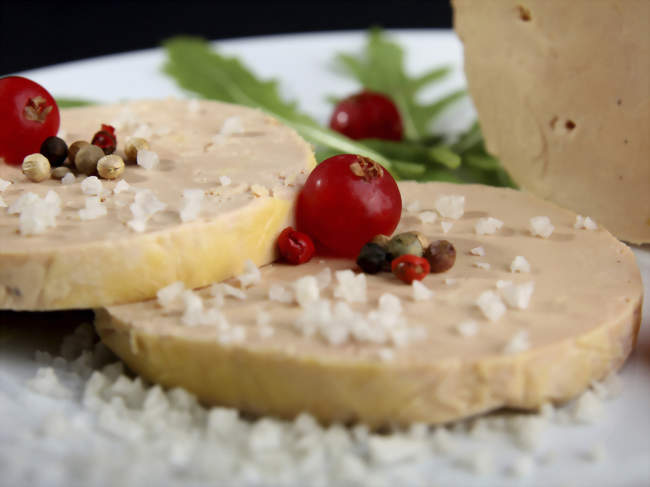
pixel 271 357
pixel 246 164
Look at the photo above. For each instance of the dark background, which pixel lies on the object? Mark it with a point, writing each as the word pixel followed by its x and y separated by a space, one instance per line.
pixel 40 33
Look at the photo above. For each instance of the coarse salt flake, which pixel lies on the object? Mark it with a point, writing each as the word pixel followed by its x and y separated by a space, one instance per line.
pixel 413 206
pixel 519 264
pixel 2 203
pixel 467 328
pixel 446 226
pixel 225 180
pixel 540 226
pixel 584 223
pixel 91 186
pixel 94 209
pixel 279 293
pixel 4 184
pixel 351 287
pixel 482 265
pixel 251 274
pixel 231 126
pixel 193 106
pixel 170 295
pixel 36 214
pixel 147 159
pixel 491 305
pixel 47 383
pixel 420 291
pixel 144 206
pixel 192 201
pixel 450 206
pixel 306 290
pixel 519 342
pixel 487 226
pixel 517 295
pixel 121 186
pixel 68 179
pixel 479 251
pixel 224 290
pixel 427 216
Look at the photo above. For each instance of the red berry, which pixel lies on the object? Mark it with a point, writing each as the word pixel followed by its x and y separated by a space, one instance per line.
pixel 105 139
pixel 346 201
pixel 28 116
pixel 367 115
pixel 295 247
pixel 409 268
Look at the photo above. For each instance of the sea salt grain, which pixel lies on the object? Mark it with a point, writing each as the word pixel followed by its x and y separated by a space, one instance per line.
pixel 584 223
pixel 47 383
pixel 68 179
pixel 91 186
pixel 170 295
pixel 281 294
pixel 420 291
pixel 147 159
pixel 519 264
pixel 467 328
pixel 519 342
pixel 450 206
pixel 144 206
pixel 540 226
pixel 351 287
pixel 487 226
pixel 231 126
pixel 479 251
pixel 446 226
pixel 491 305
pixel 517 296
pixel 225 180
pixel 413 206
pixel 250 276
pixel 427 216
pixel 192 201
pixel 306 291
pixel 4 184
pixel 482 265
pixel 2 203
pixel 94 209
pixel 121 186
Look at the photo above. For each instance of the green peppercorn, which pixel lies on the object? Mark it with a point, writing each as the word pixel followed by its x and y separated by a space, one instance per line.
pixel 86 159
pixel 372 258
pixel 74 148
pixel 60 172
pixel 36 167
pixel 110 167
pixel 441 255
pixel 407 243
pixel 55 149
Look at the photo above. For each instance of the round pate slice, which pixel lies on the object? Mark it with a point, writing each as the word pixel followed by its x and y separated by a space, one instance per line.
pixel 519 320
pixel 215 189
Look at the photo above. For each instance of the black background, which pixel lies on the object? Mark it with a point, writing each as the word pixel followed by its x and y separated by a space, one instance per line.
pixel 39 33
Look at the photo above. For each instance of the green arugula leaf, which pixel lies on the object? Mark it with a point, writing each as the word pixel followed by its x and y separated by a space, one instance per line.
pixel 203 71
pixel 73 102
pixel 380 67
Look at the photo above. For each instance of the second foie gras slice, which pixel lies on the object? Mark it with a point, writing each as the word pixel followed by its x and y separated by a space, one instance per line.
pixel 245 165
pixel 392 357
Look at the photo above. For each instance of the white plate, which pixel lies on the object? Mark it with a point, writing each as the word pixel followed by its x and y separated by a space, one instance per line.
pixel 302 64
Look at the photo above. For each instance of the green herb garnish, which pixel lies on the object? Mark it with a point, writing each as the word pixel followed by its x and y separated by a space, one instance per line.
pixel 73 102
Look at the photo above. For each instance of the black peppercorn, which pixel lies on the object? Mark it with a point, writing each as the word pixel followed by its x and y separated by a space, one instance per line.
pixel 55 150
pixel 372 258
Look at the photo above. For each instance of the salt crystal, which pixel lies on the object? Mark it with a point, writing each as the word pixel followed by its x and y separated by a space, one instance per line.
pixel 584 222
pixel 91 186
pixel 68 179
pixel 143 131
pixel 491 305
pixel 193 312
pixel 47 383
pixel 121 186
pixel 523 466
pixel 36 214
pixel 519 342
pixel 144 206
pixel 596 453
pixel 413 206
pixel 263 318
pixel 390 304
pixel 450 206
pixel 479 251
pixel 24 200
pixel 192 200
pixel 231 126
pixel 587 408
pixel 420 291
pixel 2 203
pixel 519 264
pixel 482 265
pixel 324 278
pixel 427 216
pixel 225 180
pixel 467 328
pixel 169 295
pixel 449 281
pixel 279 293
pixel 487 226
pixel 251 274
pixel 147 159
pixel 540 226
pixel 306 290
pixel 223 289
pixel 4 184
pixel 446 226
pixel 94 209
pixel 517 295
pixel 351 287
pixel 193 106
